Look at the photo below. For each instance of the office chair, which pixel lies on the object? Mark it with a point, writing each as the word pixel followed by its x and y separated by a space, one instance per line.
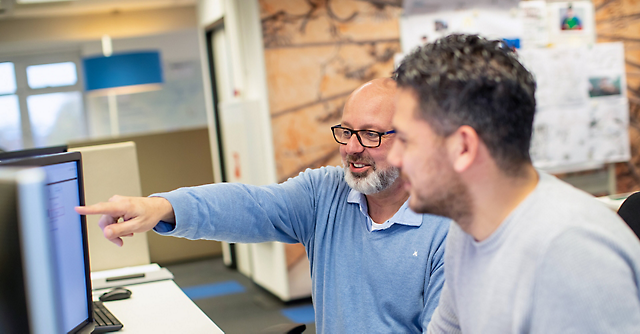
pixel 630 212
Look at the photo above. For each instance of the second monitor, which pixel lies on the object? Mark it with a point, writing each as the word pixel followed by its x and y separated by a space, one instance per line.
pixel 68 230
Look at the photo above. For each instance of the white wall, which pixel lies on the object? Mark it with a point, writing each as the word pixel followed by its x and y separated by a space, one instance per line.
pixel 210 12
pixel 247 80
pixel 247 113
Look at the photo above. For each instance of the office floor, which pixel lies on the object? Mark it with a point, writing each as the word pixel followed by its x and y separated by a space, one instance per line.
pixel 234 302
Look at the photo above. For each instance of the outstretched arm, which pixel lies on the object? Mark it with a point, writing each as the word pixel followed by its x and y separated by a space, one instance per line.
pixel 226 211
pixel 139 214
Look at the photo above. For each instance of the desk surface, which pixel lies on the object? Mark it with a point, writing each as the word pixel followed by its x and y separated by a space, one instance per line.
pixel 159 307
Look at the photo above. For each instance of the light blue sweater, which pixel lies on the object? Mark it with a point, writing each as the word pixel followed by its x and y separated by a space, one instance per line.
pixel 385 281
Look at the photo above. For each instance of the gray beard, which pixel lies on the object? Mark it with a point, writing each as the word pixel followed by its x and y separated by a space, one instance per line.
pixel 374 182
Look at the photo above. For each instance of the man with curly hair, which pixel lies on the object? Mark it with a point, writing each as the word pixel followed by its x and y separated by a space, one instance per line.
pixel 528 253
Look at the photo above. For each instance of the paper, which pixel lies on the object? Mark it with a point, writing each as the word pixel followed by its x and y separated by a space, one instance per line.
pixel 533 15
pixel 417 7
pixel 609 103
pixel 560 137
pixel 125 271
pixel 153 275
pixel 417 30
pixel 582 111
pixel 608 130
pixel 560 75
pixel 571 23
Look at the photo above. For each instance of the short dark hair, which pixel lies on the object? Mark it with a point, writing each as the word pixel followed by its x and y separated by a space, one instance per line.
pixel 469 80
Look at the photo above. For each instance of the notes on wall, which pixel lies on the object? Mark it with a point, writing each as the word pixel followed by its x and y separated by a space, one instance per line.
pixel 582 107
pixel 582 110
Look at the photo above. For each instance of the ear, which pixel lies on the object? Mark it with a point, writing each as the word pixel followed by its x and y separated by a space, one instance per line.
pixel 462 146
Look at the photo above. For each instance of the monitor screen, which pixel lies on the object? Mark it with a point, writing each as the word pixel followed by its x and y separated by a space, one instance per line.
pixel 69 235
pixel 64 196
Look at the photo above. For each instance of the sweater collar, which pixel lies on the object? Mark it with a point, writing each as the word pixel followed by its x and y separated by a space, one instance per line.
pixel 404 216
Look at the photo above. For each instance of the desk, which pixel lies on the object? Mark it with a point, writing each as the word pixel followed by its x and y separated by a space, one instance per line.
pixel 159 307
pixel 614 202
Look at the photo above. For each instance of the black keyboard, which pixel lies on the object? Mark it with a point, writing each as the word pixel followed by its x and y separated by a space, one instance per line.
pixel 105 321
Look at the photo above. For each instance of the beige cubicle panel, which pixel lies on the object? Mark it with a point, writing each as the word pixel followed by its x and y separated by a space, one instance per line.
pixel 168 161
pixel 107 170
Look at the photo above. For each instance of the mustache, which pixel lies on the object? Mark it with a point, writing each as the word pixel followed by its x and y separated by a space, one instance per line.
pixel 351 158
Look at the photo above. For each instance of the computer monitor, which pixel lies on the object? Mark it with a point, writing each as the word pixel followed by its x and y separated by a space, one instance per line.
pixel 64 187
pixel 28 282
pixel 32 152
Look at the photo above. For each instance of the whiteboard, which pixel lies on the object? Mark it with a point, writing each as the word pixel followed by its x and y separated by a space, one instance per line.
pixel 582 112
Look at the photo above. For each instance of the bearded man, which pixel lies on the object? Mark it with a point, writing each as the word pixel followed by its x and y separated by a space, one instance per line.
pixel 376 266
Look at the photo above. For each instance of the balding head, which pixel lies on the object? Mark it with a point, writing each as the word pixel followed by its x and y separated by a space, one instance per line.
pixel 376 95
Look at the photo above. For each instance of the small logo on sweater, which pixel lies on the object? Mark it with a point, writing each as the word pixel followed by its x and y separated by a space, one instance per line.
pixel 415 253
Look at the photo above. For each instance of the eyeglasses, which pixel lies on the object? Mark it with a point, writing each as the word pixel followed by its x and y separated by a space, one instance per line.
pixel 367 138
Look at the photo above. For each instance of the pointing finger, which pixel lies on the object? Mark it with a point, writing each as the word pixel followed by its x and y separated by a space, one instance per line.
pixel 113 209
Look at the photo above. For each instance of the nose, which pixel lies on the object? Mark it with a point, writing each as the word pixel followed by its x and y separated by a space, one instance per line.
pixel 394 157
pixel 353 145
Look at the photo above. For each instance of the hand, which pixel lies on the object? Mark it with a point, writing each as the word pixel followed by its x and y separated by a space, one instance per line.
pixel 139 214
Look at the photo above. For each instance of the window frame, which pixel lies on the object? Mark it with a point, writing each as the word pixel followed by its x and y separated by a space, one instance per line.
pixel 23 91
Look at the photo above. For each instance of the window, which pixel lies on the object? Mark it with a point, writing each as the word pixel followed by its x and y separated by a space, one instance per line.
pixel 44 92
pixel 52 75
pixel 55 118
pixel 7 78
pixel 10 133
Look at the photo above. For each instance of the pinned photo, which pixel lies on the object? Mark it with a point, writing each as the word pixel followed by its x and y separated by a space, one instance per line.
pixel 441 25
pixel 571 23
pixel 571 19
pixel 604 86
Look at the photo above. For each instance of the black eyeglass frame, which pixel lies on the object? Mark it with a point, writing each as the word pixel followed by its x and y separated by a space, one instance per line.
pixel 356 132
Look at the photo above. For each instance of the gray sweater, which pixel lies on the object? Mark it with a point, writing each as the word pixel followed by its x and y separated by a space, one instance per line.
pixel 560 263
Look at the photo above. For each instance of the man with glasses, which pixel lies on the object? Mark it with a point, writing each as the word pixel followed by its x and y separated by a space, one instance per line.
pixel 376 266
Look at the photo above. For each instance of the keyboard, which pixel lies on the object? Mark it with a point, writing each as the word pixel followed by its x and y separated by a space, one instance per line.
pixel 105 321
